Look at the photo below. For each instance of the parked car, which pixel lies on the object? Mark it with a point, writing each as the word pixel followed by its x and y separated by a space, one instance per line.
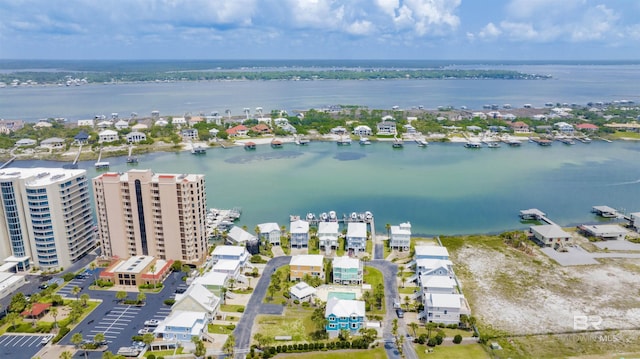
pixel 151 323
pixel 46 339
pixel 43 286
pixel 400 313
pixel 180 290
pixel 144 331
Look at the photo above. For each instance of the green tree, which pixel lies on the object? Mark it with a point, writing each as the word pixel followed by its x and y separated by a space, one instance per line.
pixel 76 291
pixel 200 349
pixel 66 355
pixel 272 290
pixel 148 338
pixel 54 313
pixel 121 295
pixel 229 345
pixel 457 339
pixel 98 338
pixel 12 318
pixel 414 327
pixel 84 298
pixel 141 297
pixel 18 303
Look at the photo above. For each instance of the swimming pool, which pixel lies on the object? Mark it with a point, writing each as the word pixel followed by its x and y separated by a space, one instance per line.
pixel 341 295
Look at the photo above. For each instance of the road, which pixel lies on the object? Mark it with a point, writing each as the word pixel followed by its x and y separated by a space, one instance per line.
pixel 255 306
pixel 389 272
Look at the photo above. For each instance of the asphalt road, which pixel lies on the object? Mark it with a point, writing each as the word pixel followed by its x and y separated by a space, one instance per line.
pixel 255 306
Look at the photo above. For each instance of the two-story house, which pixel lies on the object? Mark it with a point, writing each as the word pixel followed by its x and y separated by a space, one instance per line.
pixel 270 233
pixel 182 326
pixel 428 266
pixel 362 130
pixel 197 298
pixel 387 128
pixel 213 281
pixel 328 233
pixel 401 236
pixel 431 252
pixel 311 264
pixel 444 308
pixel 237 253
pixel 107 136
pixel 356 237
pixel 344 314
pixel 299 231
pixel 347 270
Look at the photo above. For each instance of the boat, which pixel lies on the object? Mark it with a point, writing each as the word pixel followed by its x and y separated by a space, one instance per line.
pixel 473 144
pixel 250 146
pixel 303 142
pixel 493 144
pixel 421 143
pixel 132 159
pixel 332 216
pixel 198 150
pixel 310 216
pixel 368 215
pixel 585 140
pixel 397 143
pixel 514 143
pixel 364 141
pixel 354 216
pixel 567 141
pixel 323 216
pixel 544 142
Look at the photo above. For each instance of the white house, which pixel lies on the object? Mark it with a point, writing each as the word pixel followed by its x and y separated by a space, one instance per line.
pixel 362 130
pixel 121 125
pixel 401 236
pixel 87 123
pixel 604 231
pixel 270 232
pixel 299 231
pixel 135 137
pixel 25 142
pixel 409 129
pixel 182 326
pixel 444 308
pixel 52 143
pixel 179 121
pixel 387 128
pixel 228 266
pixel 431 252
pixel 328 233
pixel 107 136
pixel 437 284
pixel 189 134
pixel 161 122
pixel 104 124
pixel 356 237
pixel 302 291
pixel 548 235
pixel 213 281
pixel 238 236
pixel 429 266
pixel 197 298
pixel 237 253
pixel 563 127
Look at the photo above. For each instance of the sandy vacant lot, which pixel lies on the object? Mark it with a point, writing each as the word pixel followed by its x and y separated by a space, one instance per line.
pixel 530 294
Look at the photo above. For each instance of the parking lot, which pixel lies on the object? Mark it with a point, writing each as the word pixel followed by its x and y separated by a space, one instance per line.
pixel 114 322
pixel 76 282
pixel 20 345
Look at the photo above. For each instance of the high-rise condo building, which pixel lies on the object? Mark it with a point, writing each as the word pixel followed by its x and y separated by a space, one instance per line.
pixel 141 213
pixel 46 219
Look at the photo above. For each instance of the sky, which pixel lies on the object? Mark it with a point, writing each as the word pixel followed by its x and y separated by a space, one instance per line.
pixel 321 29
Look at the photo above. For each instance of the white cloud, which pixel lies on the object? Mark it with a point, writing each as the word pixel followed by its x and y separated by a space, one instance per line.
pixel 360 28
pixel 489 31
pixel 596 24
pixel 526 9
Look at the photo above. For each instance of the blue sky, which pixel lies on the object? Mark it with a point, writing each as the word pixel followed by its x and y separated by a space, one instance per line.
pixel 320 29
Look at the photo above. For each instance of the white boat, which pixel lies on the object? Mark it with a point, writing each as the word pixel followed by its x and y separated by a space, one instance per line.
pixel 310 216
pixel 324 216
pixel 421 143
pixel 332 215
pixel 354 216
pixel 364 141
pixel 472 144
pixel 493 144
pixel 368 215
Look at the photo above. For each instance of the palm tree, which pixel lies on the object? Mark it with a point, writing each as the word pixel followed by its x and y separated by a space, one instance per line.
pixel 85 298
pixel 152 269
pixel 54 313
pixel 388 227
pixel 76 291
pixel 148 338
pixel 98 338
pixel 29 311
pixel 414 327
pixel 406 302
pixel 12 317
pixel 229 345
pixel 257 231
pixel 271 289
pixel 93 266
pixel 141 297
pixel 76 339
pixel 66 355
pixel 121 295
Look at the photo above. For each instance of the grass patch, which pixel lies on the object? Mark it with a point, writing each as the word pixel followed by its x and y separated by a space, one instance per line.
pixel 295 321
pixel 386 249
pixel 232 308
pixel 449 333
pixel 163 353
pixel 377 353
pixel 374 277
pixel 243 291
pixel 369 248
pixel 278 296
pixel 314 245
pixel 471 351
pixel 220 328
pixel 340 249
pixel 407 290
pixel 624 134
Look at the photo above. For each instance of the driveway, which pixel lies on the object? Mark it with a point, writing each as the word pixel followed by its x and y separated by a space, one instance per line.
pixel 255 306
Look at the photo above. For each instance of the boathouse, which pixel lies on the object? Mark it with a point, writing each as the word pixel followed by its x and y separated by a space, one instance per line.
pixel 605 211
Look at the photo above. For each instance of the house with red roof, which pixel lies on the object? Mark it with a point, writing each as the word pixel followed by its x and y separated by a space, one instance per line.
pixel 261 128
pixel 519 127
pixel 240 130
pixel 587 127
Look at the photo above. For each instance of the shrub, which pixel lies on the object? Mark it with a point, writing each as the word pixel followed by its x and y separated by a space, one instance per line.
pixel 439 339
pixel 68 277
pixel 457 339
pixel 432 342
pixel 452 326
pixel 151 356
pixel 422 339
pixel 279 348
pixel 295 301
pixel 231 326
pixel 286 295
pixel 61 333
pixel 305 304
pixel 240 310
pixel 169 301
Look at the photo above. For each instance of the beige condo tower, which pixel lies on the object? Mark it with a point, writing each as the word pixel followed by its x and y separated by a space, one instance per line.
pixel 143 213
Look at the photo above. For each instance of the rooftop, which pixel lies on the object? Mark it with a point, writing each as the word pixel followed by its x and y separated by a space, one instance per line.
pixel 431 251
pixel 346 262
pixel 344 308
pixel 445 300
pixel 315 260
pixel 133 265
pixel 357 229
pixel 229 251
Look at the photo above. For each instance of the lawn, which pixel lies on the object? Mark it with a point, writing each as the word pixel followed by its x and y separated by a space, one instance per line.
pixel 386 249
pixel 374 277
pixel 377 353
pixel 220 329
pixel 160 353
pixel 369 249
pixel 449 333
pixel 471 351
pixel 314 245
pixel 340 249
pixel 232 308
pixel 295 321
pixel 278 296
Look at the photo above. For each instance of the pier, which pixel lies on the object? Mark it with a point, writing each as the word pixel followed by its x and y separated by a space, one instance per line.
pixel 8 162
pixel 130 157
pixel 536 214
pixel 99 164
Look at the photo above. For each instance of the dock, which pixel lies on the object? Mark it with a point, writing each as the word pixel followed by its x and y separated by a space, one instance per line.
pixel 541 141
pixel 535 214
pixel 101 164
pixel 608 212
pixel 8 162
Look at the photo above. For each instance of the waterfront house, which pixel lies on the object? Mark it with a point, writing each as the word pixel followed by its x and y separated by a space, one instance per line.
pixel 634 221
pixel 362 130
pixel 231 267
pixel 199 299
pixel 473 128
pixel 288 128
pixel 270 232
pixel 386 128
pixel 344 314
pixel 299 234
pixel 564 128
pixel 121 125
pixel 339 130
pixel 328 233
pixel 215 282
pixel 429 266
pixel 261 128
pixel 306 264
pixel 587 127
pixel 107 136
pixel 347 270
pixel 237 253
pixel 179 122
pixel 52 143
pixel 409 129
pixel 104 124
pixel 302 291
pixel 431 252
pixel 189 134
pixel 444 308
pixel 42 124
pixel 82 138
pixel 400 236
pixel 182 326
pixel 238 131
pixel 214 132
pixel 548 235
pixel 604 231
pixel 519 127
pixel 161 122
pixel 24 142
pixel 86 123
pixel 238 236
pixel 135 137
pixel 356 237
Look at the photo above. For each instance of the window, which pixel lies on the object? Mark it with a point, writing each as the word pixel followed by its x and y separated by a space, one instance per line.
pixel 354 325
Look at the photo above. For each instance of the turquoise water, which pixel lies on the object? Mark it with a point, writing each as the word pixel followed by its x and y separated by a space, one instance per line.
pixel 341 295
pixel 441 189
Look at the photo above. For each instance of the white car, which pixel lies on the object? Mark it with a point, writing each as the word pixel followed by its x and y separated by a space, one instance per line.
pixel 144 331
pixel 46 339
pixel 151 323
